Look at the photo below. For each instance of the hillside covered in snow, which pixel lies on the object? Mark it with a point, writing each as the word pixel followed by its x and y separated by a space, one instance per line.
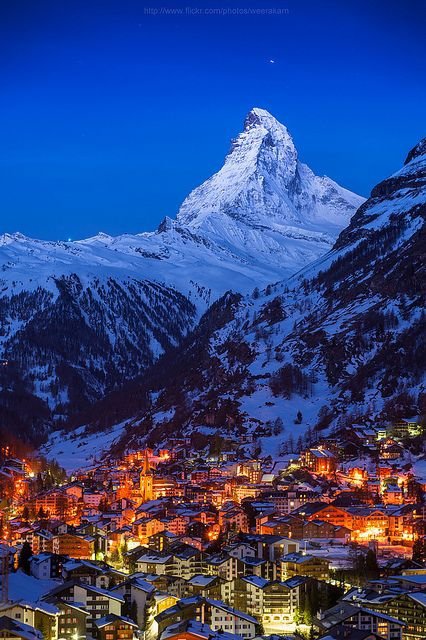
pixel 342 341
pixel 79 319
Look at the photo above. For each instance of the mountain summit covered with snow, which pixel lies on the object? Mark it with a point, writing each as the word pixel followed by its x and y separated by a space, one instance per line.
pixel 266 205
pixel 263 185
pixel 261 218
pixel 78 319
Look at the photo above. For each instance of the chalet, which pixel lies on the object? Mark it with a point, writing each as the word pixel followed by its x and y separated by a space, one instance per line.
pixel 272 547
pixel 74 546
pixel 143 528
pixel 355 617
pixel 340 632
pixel 299 564
pixel 187 561
pixel 114 627
pixel 97 574
pixel 96 601
pixel 410 607
pixel 72 618
pixel 372 522
pixel 185 609
pixel 404 600
pixel 177 525
pixel 42 541
pixel 271 602
pixel 393 494
pixel 239 550
pixel 55 503
pixel 47 565
pixel 319 529
pixel 338 516
pixel 161 540
pixel 136 590
pixel 406 428
pixel 233 518
pixel 40 615
pixel 224 565
pixel 390 450
pixel 14 630
pixel 286 501
pixel 176 587
pixel 258 567
pixel 205 585
pixel 230 620
pixel 154 562
pixel 319 460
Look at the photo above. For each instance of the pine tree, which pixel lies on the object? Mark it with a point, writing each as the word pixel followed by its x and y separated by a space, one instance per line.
pixel 24 557
pixel 44 629
pixel 278 426
pixel 133 613
pixel 419 550
pixel 371 567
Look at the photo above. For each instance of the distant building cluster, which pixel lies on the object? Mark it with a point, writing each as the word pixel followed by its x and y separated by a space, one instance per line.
pixel 178 544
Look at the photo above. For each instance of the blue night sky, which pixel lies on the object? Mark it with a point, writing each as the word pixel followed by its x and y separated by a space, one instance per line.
pixel 111 115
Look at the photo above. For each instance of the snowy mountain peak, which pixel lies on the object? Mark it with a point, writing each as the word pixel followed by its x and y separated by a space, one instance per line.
pixel 260 117
pixel 9 238
pixel 263 184
pixel 166 224
pixel 418 150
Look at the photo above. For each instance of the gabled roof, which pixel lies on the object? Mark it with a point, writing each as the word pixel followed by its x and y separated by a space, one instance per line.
pixel 155 558
pixel 419 597
pixel 322 453
pixel 111 618
pixel 20 629
pixel 88 587
pixel 182 604
pixel 342 632
pixel 415 578
pixel 310 508
pixel 201 580
pixel 344 610
pixel 218 604
pixel 256 581
pixel 137 583
pixel 194 627
pixel 253 561
pixel 300 558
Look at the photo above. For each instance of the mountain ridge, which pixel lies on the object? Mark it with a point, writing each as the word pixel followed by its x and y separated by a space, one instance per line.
pixel 344 340
pixel 130 298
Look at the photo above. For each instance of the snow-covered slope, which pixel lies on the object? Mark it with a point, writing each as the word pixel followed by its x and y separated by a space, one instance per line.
pixel 342 341
pixel 79 318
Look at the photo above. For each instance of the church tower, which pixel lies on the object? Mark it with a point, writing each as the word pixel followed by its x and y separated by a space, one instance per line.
pixel 146 480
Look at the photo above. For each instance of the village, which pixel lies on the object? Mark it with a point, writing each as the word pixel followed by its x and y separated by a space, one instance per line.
pixel 182 543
